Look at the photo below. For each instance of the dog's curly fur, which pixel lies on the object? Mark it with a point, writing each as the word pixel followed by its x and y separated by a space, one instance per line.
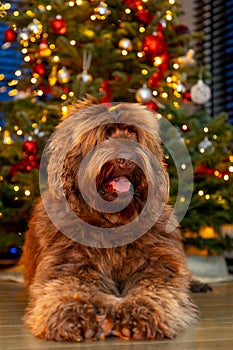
pixel 138 290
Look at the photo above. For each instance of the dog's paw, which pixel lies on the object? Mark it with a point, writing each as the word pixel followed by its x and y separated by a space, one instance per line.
pixel 199 287
pixel 76 319
pixel 67 319
pixel 138 319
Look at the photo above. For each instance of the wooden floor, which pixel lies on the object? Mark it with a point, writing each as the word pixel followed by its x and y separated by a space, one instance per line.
pixel 214 331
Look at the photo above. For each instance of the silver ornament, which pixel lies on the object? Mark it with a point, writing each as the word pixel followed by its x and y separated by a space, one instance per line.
pixel 24 34
pixel 85 77
pixel 200 93
pixel 34 27
pixel 143 94
pixel 125 44
pixel 206 146
pixel 102 11
pixel 180 88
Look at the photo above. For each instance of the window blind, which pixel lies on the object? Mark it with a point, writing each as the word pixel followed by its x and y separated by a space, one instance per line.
pixel 214 18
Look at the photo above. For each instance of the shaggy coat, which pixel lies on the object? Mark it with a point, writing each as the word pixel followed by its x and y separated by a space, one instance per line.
pixel 82 284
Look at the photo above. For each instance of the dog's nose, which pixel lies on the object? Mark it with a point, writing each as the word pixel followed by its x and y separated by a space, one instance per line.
pixel 124 160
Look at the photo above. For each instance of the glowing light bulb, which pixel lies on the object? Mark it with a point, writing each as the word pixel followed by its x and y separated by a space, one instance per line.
pixel 184 127
pixel 144 72
pixel 183 166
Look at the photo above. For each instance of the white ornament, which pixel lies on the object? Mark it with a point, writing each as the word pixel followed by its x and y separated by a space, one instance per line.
pixel 143 94
pixel 206 145
pixel 200 93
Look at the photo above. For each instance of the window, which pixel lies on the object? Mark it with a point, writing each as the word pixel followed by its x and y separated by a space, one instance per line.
pixel 214 18
pixel 10 60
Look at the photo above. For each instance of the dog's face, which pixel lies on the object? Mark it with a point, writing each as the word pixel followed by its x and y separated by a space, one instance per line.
pixel 107 162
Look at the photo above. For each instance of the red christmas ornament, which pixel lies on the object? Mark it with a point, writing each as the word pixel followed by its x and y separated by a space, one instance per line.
pixel 152 106
pixel 145 16
pixel 24 166
pixel 32 59
pixel 34 161
pixel 45 88
pixel 203 169
pixel 186 97
pixel 163 67
pixel 133 4
pixel 59 26
pixel 39 68
pixel 30 148
pixel 12 171
pixel 10 35
pixel 106 87
pixel 155 79
pixel 153 45
pixel 117 78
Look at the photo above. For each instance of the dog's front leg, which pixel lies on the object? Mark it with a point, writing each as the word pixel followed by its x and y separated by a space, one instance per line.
pixel 153 311
pixel 63 309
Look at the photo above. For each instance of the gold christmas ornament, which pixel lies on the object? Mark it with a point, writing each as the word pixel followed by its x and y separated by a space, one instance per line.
pixel 44 50
pixel 53 76
pixel 63 76
pixel 2 10
pixel 7 139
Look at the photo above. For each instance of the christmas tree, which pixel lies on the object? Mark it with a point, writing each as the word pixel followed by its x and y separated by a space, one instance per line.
pixel 128 50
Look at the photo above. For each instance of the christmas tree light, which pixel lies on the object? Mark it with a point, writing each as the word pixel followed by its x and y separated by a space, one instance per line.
pixel 130 50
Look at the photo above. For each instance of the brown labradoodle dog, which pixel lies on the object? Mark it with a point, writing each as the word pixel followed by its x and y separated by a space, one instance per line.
pixel 98 257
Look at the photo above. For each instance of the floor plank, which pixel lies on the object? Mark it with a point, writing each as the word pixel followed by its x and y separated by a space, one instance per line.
pixel 214 331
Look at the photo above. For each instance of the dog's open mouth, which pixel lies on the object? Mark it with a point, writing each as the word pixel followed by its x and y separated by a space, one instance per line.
pixel 119 184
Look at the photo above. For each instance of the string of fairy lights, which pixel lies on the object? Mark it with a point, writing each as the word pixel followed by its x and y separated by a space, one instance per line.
pixel 153 47
pixel 36 31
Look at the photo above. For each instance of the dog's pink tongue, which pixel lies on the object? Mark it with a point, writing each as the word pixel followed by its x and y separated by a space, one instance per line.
pixel 120 185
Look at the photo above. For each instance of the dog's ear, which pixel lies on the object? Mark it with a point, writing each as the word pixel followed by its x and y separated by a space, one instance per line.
pixel 64 138
pixel 80 104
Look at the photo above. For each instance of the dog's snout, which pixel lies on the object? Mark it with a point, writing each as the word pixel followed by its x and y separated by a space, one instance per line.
pixel 125 160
